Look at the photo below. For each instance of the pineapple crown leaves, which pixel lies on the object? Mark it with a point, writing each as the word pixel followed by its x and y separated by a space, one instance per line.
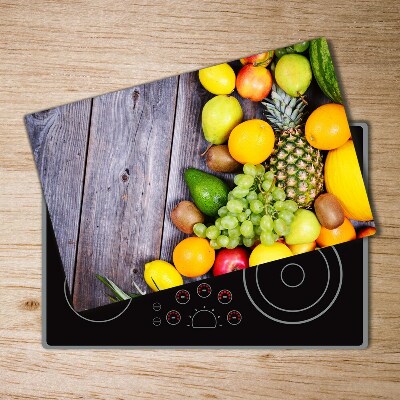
pixel 283 111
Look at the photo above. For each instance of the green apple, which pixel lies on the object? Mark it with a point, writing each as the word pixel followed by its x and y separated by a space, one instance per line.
pixel 220 115
pixel 293 74
pixel 305 228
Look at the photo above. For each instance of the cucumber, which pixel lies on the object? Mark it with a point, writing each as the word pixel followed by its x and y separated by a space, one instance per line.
pixel 323 69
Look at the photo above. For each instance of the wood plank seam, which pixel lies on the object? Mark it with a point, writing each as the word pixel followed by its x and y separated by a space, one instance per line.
pixel 71 289
pixel 169 165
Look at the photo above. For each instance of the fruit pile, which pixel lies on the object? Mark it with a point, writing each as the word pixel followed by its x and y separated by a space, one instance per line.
pixel 300 184
pixel 256 210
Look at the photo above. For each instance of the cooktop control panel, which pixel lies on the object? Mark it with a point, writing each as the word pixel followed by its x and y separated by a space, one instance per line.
pixel 201 307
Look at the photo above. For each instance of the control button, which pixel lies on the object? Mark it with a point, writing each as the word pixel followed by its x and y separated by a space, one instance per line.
pixel 156 306
pixel 156 321
pixel 234 317
pixel 182 296
pixel 204 319
pixel 204 290
pixel 224 296
pixel 173 317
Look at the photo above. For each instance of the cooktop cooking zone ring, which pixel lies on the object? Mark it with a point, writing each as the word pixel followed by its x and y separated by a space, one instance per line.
pixel 294 293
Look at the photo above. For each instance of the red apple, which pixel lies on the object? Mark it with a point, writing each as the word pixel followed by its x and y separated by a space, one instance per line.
pixel 254 83
pixel 229 260
pixel 366 231
pixel 262 59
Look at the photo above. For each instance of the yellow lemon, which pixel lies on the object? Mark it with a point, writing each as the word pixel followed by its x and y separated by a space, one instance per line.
pixel 219 79
pixel 251 141
pixel 263 254
pixel 160 275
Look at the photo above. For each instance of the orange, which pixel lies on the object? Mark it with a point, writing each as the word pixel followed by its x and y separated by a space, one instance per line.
pixel 193 257
pixel 251 141
pixel 343 233
pixel 365 232
pixel 327 127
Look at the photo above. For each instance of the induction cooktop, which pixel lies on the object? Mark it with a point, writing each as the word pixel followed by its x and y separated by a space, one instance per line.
pixel 315 299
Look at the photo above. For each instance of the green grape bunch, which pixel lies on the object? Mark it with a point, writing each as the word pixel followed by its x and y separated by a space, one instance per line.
pixel 257 210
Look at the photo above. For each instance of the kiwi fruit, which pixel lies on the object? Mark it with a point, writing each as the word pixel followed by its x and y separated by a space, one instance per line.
pixel 185 215
pixel 329 211
pixel 218 159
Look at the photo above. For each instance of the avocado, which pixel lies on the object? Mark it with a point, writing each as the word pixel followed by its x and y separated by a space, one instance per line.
pixel 208 192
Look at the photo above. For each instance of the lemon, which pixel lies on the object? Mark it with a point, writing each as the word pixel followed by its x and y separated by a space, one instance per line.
pixel 160 275
pixel 219 79
pixel 263 254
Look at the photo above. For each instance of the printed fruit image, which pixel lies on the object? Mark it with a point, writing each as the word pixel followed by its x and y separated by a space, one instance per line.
pixel 296 48
pixel 365 232
pixel 219 159
pixel 302 248
pixel 343 179
pixel 263 254
pixel 254 83
pixel 329 211
pixel 301 47
pixel 185 215
pixel 330 237
pixel 251 141
pixel 256 211
pixel 193 257
pixel 219 79
pixel 261 60
pixel 323 70
pixel 208 192
pixel 293 74
pixel 297 165
pixel 327 127
pixel 305 228
pixel 219 116
pixel 160 275
pixel 229 260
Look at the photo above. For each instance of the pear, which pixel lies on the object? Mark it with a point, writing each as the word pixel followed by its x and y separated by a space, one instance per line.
pixel 305 228
pixel 220 115
pixel 293 74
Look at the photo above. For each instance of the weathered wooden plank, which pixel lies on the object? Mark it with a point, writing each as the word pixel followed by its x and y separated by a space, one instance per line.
pixel 125 187
pixel 188 144
pixel 59 138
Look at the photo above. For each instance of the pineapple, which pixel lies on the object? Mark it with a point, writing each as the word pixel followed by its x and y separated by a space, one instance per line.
pixel 297 166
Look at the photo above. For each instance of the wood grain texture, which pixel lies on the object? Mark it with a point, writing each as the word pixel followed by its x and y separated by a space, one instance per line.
pixel 188 143
pixel 125 185
pixel 59 139
pixel 54 53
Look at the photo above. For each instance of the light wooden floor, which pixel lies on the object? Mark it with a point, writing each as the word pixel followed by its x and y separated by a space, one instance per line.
pixel 54 52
